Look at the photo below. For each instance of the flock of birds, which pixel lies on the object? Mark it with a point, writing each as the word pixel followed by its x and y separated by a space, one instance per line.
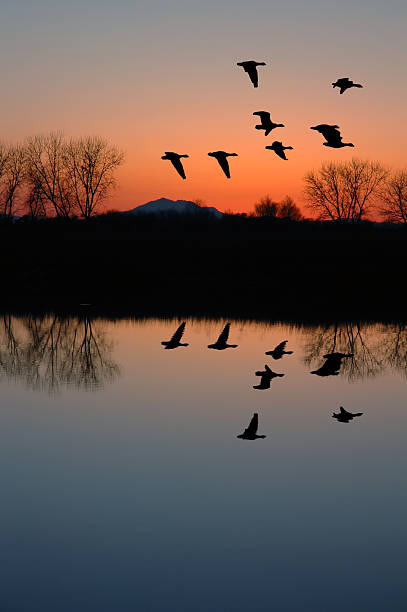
pixel 331 133
pixel 330 367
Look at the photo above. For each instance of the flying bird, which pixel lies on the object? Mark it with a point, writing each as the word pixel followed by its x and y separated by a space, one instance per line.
pixel 279 350
pixel 332 136
pixel 332 364
pixel 250 433
pixel 221 158
pixel 267 376
pixel 175 159
pixel 174 342
pixel 344 416
pixel 266 123
pixel 222 342
pixel 344 84
pixel 251 68
pixel 278 149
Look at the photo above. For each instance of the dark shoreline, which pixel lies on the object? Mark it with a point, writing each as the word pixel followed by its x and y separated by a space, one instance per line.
pixel 236 267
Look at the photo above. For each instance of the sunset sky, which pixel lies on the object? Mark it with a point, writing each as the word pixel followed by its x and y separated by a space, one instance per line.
pixel 154 75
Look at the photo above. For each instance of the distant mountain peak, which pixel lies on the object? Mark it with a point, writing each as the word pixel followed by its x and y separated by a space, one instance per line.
pixel 165 205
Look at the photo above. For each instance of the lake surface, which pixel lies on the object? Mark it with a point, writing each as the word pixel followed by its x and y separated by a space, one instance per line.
pixel 125 488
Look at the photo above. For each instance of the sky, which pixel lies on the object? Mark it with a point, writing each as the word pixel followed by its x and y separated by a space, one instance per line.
pixel 154 76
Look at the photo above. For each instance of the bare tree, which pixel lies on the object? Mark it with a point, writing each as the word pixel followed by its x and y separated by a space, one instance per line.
pixel 12 175
pixel 286 209
pixel 344 191
pixel 47 175
pixel 90 164
pixel 394 197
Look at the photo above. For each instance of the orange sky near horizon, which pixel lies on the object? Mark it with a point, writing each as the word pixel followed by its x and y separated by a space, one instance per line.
pixel 151 77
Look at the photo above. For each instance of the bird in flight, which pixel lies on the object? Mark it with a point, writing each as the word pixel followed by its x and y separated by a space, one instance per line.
pixel 250 433
pixel 221 157
pixel 266 123
pixel 222 342
pixel 251 68
pixel 344 416
pixel 267 376
pixel 174 342
pixel 278 149
pixel 279 350
pixel 344 84
pixel 332 136
pixel 175 159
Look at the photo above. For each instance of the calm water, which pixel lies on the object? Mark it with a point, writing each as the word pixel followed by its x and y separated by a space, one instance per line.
pixel 124 487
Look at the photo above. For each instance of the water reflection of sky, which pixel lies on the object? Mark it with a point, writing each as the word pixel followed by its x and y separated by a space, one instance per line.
pixel 139 496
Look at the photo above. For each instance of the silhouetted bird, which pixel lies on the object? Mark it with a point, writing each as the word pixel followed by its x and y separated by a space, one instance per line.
pixel 251 68
pixel 278 149
pixel 332 364
pixel 175 159
pixel 344 84
pixel 332 136
pixel 344 416
pixel 250 433
pixel 267 376
pixel 221 343
pixel 266 123
pixel 175 340
pixel 279 351
pixel 221 157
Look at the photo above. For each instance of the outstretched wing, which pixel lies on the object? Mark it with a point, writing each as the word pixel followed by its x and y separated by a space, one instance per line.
pixel 253 74
pixel 251 430
pixel 330 133
pixel 224 164
pixel 178 334
pixel 344 88
pixel 177 163
pixel 224 335
pixel 281 346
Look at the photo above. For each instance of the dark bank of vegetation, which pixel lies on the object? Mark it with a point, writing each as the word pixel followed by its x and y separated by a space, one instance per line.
pixel 273 263
pixel 261 266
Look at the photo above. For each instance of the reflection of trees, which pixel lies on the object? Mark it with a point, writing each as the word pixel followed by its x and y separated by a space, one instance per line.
pixel 394 347
pixel 49 353
pixel 374 348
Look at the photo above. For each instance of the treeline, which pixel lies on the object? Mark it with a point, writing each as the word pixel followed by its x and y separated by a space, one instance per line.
pixel 354 190
pixel 51 176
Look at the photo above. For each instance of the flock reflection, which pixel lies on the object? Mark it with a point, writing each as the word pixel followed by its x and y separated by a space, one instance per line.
pixel 51 353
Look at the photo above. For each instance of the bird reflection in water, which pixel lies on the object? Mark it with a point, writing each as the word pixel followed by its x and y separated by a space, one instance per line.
pixel 343 416
pixel 250 433
pixel 267 376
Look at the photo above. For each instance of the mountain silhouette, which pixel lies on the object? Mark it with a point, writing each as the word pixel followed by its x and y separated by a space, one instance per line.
pixel 165 206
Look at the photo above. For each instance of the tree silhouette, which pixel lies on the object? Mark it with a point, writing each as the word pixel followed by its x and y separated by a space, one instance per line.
pixel 286 209
pixel 12 175
pixel 394 197
pixel 344 191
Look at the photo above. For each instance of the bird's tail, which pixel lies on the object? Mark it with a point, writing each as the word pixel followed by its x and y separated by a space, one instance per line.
pixel 358 85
